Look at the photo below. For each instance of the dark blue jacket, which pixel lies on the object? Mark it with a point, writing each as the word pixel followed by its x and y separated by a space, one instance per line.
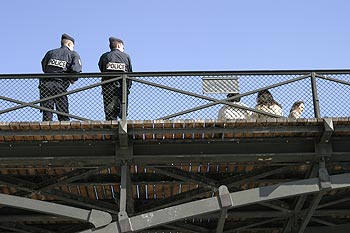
pixel 61 60
pixel 115 61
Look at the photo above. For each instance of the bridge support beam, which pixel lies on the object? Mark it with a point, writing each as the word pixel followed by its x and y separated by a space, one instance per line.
pixel 241 198
pixel 96 217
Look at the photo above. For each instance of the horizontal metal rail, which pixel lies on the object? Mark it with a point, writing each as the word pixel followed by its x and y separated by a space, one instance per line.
pixel 176 73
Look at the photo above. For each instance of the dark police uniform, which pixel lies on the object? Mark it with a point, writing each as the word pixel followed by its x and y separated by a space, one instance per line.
pixel 60 60
pixel 114 61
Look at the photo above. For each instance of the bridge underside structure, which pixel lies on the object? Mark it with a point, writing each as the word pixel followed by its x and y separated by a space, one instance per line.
pixel 265 175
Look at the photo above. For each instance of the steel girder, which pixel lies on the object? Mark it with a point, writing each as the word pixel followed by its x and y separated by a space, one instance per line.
pixel 227 200
pixel 96 217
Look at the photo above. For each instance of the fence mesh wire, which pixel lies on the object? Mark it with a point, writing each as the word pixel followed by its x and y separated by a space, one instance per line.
pixel 178 96
pixel 334 96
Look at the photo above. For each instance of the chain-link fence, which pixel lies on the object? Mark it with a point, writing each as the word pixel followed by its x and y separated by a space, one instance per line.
pixel 171 95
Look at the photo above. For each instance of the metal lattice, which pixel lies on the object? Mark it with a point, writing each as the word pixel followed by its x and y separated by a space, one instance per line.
pixel 180 95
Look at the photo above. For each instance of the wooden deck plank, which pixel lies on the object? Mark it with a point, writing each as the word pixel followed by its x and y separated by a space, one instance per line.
pixel 159 124
pixel 56 126
pixel 167 191
pixel 36 127
pixel 178 124
pixel 99 192
pixel 168 125
pixel 91 192
pixel 5 126
pixel 150 191
pixel 189 124
pixel 198 125
pixel 209 124
pixel 148 124
pixel 142 191
pixel 45 131
pixel 87 126
pixel 45 125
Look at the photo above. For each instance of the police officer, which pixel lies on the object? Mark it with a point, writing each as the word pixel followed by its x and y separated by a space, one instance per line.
pixel 114 61
pixel 60 60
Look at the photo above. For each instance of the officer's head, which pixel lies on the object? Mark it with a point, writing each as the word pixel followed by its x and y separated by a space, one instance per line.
pixel 67 40
pixel 115 43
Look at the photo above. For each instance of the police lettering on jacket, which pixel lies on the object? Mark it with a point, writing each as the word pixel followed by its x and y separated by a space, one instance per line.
pixel 57 63
pixel 116 66
pixel 61 60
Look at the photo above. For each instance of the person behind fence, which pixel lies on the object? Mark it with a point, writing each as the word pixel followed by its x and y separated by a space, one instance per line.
pixel 228 112
pixel 296 109
pixel 266 103
pixel 60 60
pixel 114 61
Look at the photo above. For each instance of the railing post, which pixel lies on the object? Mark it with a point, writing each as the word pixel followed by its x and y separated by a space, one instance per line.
pixel 124 97
pixel 315 99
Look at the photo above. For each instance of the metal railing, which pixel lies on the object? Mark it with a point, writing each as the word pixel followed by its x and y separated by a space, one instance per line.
pixel 178 95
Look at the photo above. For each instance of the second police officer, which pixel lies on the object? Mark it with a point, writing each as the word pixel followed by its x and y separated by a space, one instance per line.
pixel 60 60
pixel 114 61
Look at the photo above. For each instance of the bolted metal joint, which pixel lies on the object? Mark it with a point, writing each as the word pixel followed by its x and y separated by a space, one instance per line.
pixel 99 218
pixel 124 222
pixel 225 197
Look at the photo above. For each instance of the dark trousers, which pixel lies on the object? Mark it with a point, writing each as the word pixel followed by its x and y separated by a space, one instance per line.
pixel 50 88
pixel 112 100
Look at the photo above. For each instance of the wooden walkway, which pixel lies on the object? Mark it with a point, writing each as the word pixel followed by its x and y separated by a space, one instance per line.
pixel 167 129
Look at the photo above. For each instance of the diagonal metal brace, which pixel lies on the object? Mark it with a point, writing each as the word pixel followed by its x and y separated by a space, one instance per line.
pixel 96 217
pixel 241 198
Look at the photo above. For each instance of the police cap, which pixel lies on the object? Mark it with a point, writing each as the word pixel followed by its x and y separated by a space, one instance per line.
pixel 114 39
pixel 67 37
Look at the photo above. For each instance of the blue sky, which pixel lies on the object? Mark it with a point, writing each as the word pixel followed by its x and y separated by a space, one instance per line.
pixel 181 35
